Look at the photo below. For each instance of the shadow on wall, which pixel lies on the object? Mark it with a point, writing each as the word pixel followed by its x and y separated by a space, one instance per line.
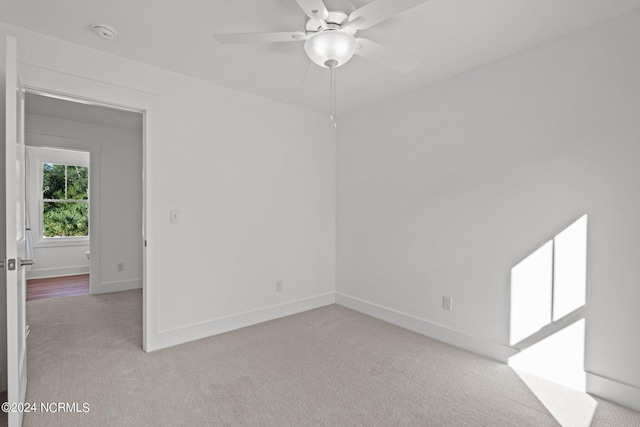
pixel 547 325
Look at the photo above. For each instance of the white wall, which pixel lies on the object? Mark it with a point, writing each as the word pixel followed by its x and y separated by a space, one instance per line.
pixel 55 261
pixel 119 154
pixel 444 190
pixel 254 181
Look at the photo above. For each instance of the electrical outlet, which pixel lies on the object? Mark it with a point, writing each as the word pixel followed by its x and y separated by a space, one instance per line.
pixel 278 285
pixel 121 266
pixel 447 303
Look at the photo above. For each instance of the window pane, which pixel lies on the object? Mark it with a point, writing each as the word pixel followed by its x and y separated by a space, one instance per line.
pixel 77 183
pixel 65 219
pixel 53 181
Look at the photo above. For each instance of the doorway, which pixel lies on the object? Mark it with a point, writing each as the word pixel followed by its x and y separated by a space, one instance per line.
pixel 58 207
pixel 111 140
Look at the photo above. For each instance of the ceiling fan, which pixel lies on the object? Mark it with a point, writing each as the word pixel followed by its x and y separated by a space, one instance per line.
pixel 330 29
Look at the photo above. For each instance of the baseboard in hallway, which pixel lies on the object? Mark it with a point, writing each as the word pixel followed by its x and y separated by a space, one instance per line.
pixel 56 287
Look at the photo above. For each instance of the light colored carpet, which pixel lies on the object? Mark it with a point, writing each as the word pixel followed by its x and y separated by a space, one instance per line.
pixel 326 367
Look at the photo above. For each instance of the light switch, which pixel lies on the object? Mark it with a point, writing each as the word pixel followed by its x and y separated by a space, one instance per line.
pixel 174 216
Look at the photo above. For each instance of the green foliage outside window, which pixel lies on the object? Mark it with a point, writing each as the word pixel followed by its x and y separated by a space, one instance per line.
pixel 65 193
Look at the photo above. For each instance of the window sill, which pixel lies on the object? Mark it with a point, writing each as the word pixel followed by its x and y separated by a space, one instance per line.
pixel 68 241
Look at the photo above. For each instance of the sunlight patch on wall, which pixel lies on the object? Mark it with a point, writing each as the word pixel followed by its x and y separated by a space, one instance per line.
pixel 558 357
pixel 553 369
pixel 550 283
pixel 531 284
pixel 548 291
pixel 570 269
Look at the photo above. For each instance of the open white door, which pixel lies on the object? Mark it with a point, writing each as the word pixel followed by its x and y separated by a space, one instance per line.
pixel 15 251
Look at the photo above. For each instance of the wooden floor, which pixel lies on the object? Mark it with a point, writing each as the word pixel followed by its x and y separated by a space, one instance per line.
pixel 55 287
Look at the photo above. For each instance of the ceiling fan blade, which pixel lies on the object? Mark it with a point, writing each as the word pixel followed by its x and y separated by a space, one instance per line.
pixel 290 36
pixel 353 26
pixel 388 57
pixel 314 9
pixel 381 10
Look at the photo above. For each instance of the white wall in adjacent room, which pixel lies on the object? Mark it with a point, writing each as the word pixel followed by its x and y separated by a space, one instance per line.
pixel 120 196
pixel 443 191
pixel 59 261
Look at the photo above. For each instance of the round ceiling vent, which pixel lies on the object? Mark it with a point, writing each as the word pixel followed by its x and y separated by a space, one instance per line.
pixel 104 31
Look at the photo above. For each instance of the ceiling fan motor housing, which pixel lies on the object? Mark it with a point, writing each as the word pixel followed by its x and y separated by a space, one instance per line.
pixel 339 11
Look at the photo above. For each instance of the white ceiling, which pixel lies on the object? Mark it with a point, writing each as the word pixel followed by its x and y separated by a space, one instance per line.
pixel 449 36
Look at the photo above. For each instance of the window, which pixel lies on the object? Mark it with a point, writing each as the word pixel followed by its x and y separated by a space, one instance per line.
pixel 59 193
pixel 65 200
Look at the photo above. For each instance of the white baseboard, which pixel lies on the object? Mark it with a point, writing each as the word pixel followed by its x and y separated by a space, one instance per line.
pixel 197 331
pixel 491 350
pixel 614 391
pixel 57 272
pixel 123 285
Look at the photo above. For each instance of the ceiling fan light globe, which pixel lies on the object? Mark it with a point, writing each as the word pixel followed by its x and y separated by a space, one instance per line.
pixel 330 48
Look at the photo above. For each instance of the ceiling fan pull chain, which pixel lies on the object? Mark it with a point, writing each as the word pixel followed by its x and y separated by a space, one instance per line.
pixel 332 97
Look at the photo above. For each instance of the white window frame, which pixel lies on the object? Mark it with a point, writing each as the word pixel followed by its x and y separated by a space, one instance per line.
pixel 37 156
